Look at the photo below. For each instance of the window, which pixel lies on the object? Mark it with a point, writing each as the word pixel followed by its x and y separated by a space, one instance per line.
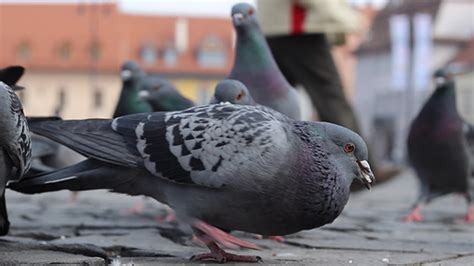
pixel 170 56
pixel 65 50
pixel 212 52
pixel 98 98
pixel 148 54
pixel 24 50
pixel 61 102
pixel 95 51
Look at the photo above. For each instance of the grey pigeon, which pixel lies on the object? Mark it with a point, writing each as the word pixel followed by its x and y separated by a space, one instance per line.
pixel 15 146
pixel 255 66
pixel 129 101
pixel 163 96
pixel 232 91
pixel 438 149
pixel 10 76
pixel 218 166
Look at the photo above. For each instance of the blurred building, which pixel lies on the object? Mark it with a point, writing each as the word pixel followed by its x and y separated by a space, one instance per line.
pixel 73 53
pixel 408 41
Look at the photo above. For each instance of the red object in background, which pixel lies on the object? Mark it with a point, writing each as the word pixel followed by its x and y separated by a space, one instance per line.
pixel 298 14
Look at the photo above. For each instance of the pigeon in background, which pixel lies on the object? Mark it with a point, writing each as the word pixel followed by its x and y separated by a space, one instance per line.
pixel 163 96
pixel 438 149
pixel 15 146
pixel 255 66
pixel 220 167
pixel 10 76
pixel 129 101
pixel 232 91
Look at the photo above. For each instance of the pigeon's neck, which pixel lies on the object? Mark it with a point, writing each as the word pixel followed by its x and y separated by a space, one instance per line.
pixel 443 101
pixel 254 63
pixel 130 102
pixel 170 103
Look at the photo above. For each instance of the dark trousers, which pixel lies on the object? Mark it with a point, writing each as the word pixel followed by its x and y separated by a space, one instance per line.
pixel 306 60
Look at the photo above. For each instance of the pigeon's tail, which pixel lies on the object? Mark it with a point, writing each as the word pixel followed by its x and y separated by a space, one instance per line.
pixel 86 175
pixel 4 223
pixel 91 174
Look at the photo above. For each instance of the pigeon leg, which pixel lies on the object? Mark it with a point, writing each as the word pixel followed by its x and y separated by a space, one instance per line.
pixel 469 217
pixel 219 236
pixel 414 215
pixel 219 255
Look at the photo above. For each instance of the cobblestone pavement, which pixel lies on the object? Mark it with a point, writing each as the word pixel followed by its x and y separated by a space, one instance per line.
pixel 48 228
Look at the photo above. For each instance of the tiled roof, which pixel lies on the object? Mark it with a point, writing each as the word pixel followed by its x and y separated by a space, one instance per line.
pixel 99 37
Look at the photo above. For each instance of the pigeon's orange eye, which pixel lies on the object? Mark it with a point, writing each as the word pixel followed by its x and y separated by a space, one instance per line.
pixel 239 96
pixel 250 12
pixel 349 147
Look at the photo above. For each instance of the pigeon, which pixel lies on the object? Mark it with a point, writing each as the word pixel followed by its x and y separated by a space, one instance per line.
pixel 129 101
pixel 438 149
pixel 15 146
pixel 10 76
pixel 232 91
pixel 221 167
pixel 255 66
pixel 163 96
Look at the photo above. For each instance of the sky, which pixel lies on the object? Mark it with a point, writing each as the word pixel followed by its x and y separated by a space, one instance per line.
pixel 218 8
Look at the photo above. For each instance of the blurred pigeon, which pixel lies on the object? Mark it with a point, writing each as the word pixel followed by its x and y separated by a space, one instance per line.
pixel 438 150
pixel 15 146
pixel 255 66
pixel 218 166
pixel 10 76
pixel 232 91
pixel 129 101
pixel 163 96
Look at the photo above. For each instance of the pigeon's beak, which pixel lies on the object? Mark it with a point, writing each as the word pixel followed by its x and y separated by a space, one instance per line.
pixel 17 88
pixel 144 94
pixel 365 174
pixel 126 74
pixel 237 18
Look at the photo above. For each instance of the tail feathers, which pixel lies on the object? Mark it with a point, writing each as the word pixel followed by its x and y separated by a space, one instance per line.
pixel 86 175
pixel 4 223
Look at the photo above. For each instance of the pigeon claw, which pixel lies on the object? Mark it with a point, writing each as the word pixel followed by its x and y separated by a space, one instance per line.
pixel 414 216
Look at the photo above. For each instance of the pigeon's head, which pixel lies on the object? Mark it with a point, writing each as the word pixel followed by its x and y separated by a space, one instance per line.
pixel 349 150
pixel 10 75
pixel 130 71
pixel 232 91
pixel 244 15
pixel 442 76
pixel 163 96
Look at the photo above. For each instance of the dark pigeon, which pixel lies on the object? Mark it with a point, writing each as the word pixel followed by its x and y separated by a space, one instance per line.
pixel 438 149
pixel 15 146
pixel 10 76
pixel 255 66
pixel 218 166
pixel 232 91
pixel 163 96
pixel 129 101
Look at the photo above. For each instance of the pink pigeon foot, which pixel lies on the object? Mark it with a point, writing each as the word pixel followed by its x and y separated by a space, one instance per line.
pixel 210 236
pixel 468 218
pixel 414 216
pixel 73 197
pixel 170 216
pixel 213 234
pixel 137 208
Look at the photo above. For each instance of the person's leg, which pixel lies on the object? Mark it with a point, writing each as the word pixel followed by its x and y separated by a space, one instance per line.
pixel 307 60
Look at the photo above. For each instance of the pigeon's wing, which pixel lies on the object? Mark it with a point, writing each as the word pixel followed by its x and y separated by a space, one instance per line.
pixel 17 142
pixel 92 138
pixel 42 147
pixel 210 145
